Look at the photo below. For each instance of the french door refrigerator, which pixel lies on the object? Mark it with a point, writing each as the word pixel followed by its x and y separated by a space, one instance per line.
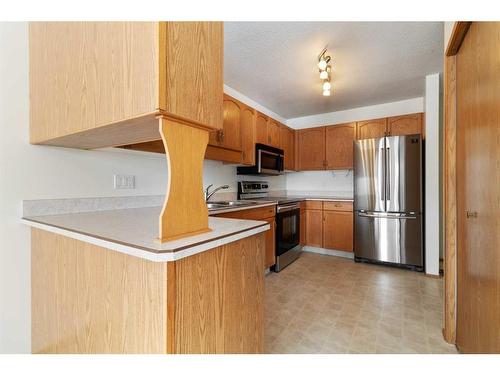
pixel 388 201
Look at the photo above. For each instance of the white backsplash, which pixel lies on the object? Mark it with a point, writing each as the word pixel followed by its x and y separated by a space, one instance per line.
pixel 335 183
pixel 324 183
pixel 218 173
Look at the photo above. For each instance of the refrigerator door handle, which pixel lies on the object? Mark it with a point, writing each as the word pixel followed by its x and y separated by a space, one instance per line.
pixel 383 179
pixel 386 216
pixel 388 174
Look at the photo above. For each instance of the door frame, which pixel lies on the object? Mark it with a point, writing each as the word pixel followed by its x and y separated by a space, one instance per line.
pixel 449 178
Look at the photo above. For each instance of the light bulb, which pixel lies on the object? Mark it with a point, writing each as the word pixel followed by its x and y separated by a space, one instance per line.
pixel 323 74
pixel 326 86
pixel 326 93
pixel 322 64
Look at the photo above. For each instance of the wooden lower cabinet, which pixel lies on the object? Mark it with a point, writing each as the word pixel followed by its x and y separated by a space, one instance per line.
pixel 87 299
pixel 303 227
pixel 314 228
pixel 270 259
pixel 338 230
pixel 329 225
pixel 268 214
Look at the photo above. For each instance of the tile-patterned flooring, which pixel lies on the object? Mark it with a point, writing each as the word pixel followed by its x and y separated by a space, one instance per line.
pixel 327 304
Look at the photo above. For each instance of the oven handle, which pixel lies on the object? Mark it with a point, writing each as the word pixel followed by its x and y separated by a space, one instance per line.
pixel 289 207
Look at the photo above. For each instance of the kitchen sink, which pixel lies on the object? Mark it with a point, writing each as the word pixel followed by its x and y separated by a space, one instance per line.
pixel 234 203
pixel 217 205
pixel 212 206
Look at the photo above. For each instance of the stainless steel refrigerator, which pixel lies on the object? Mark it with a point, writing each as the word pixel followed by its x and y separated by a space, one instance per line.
pixel 388 200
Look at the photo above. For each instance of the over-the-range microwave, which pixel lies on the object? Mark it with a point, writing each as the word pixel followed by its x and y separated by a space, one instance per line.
pixel 269 161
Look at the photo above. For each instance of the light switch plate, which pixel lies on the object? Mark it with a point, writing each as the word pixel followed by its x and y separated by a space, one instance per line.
pixel 124 181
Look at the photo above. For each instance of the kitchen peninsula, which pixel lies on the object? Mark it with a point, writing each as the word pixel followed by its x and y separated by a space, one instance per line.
pixel 163 279
pixel 102 284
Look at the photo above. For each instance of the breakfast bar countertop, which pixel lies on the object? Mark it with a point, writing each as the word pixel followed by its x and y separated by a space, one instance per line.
pixel 135 230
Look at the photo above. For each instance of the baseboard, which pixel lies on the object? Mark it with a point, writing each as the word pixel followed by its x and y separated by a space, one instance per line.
pixel 335 253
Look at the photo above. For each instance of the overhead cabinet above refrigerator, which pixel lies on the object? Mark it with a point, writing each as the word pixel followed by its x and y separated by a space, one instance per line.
pixel 388 200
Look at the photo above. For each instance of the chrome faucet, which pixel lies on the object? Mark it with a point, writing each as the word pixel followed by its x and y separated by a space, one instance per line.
pixel 208 194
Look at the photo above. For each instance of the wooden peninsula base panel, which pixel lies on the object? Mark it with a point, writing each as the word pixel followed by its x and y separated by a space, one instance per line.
pixel 89 299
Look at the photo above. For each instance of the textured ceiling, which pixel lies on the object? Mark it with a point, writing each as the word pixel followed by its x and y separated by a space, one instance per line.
pixel 274 63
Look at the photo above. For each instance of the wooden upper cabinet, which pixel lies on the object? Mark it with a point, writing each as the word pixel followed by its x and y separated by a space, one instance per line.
pixel 99 84
pixel 287 143
pixel 261 124
pixel 230 136
pixel 273 133
pixel 311 148
pixel 339 141
pixel 371 128
pixel 405 125
pixel 247 135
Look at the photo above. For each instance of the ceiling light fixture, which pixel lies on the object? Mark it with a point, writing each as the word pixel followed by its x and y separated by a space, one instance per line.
pixel 325 69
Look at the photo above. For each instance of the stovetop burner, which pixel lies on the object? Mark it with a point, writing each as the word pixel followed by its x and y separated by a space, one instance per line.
pixel 259 190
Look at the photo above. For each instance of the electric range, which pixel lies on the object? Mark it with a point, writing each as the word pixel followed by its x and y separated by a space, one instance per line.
pixel 288 248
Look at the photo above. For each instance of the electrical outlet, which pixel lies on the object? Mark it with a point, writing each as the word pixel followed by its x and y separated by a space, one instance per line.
pixel 124 181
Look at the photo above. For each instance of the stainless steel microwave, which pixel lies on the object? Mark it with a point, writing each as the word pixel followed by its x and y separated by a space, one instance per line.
pixel 269 161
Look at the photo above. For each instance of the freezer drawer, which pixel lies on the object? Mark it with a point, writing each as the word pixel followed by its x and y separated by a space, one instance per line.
pixel 390 238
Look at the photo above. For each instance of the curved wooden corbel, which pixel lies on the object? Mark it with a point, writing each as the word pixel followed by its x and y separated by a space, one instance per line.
pixel 184 212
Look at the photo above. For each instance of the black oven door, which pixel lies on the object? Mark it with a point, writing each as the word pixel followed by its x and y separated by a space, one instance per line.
pixel 287 228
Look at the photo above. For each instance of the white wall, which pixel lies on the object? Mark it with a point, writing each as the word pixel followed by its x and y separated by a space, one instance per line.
pixel 432 174
pixel 34 172
pixel 401 107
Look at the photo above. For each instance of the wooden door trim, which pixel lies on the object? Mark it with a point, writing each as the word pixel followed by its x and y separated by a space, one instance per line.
pixel 450 200
pixel 458 33
pixel 449 177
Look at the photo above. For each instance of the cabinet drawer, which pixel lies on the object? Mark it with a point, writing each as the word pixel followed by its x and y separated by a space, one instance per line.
pixel 337 206
pixel 314 205
pixel 251 214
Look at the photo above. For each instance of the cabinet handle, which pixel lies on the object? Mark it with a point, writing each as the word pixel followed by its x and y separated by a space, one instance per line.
pixel 220 136
pixel 471 214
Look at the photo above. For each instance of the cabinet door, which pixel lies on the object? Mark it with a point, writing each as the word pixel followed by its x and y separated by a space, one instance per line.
pixel 338 230
pixel 404 125
pixel 247 135
pixel 371 128
pixel 311 149
pixel 273 133
pixel 261 128
pixel 231 136
pixel 302 239
pixel 287 141
pixel 314 228
pixel 270 244
pixel 339 146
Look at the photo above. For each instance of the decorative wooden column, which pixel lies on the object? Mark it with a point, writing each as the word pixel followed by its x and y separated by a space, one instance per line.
pixel 184 212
